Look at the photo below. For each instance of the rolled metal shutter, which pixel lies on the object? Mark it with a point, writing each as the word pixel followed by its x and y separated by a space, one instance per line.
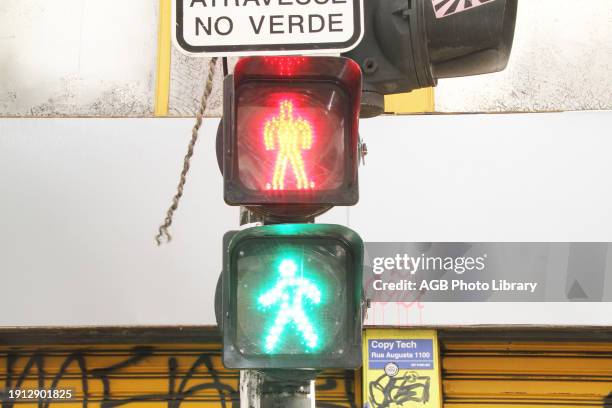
pixel 527 370
pixel 149 368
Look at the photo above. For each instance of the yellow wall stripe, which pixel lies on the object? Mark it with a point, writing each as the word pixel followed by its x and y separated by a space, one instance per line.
pixel 164 44
pixel 418 101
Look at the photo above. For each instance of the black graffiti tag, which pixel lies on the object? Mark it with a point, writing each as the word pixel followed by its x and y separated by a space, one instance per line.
pixel 406 388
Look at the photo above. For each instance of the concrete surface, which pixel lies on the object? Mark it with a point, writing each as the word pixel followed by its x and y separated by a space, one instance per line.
pixel 77 57
pixel 91 58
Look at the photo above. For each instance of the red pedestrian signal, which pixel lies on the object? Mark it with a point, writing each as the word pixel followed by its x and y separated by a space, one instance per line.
pixel 290 134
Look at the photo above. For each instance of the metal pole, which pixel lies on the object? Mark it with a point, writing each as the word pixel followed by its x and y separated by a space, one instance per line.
pixel 258 390
pixel 250 380
pixel 247 217
pixel 276 389
pixel 250 388
pixel 288 394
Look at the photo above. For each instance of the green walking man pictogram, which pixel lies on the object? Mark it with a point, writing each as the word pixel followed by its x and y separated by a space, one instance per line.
pixel 290 291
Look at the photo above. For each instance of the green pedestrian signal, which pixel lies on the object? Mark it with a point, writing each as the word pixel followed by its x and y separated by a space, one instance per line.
pixel 292 297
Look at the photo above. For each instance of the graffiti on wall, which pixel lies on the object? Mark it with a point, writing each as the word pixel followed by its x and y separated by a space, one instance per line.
pixel 409 387
pixel 151 376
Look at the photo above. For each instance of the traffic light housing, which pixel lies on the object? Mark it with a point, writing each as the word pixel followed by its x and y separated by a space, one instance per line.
pixel 289 144
pixel 410 44
pixel 292 297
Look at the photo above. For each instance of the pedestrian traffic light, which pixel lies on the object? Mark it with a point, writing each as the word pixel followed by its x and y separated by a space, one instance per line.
pixel 410 44
pixel 290 134
pixel 292 297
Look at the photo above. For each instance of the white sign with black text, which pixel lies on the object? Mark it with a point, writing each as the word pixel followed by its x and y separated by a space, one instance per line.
pixel 273 27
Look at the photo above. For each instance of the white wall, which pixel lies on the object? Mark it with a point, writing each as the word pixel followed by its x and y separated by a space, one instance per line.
pixel 518 177
pixel 77 57
pixel 81 199
pixel 81 203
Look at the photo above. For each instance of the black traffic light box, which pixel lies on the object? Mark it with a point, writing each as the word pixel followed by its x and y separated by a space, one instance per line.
pixel 292 297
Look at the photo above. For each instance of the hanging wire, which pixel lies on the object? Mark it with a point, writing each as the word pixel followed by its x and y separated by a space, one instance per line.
pixel 163 229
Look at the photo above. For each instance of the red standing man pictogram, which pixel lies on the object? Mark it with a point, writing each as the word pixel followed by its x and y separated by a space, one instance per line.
pixel 288 135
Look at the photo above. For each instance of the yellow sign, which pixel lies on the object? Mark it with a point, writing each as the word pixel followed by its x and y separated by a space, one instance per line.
pixel 401 369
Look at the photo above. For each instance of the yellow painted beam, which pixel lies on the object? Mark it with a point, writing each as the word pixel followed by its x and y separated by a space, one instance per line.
pixel 417 101
pixel 164 44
